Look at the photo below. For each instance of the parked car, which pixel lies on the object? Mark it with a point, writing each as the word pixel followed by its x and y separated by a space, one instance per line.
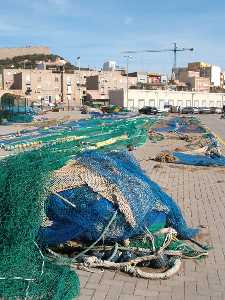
pixel 216 110
pixel 187 110
pixel 195 110
pixel 204 110
pixel 148 110
pixel 167 108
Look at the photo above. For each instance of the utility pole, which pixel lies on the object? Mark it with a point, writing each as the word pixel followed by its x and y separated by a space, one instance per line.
pixel 62 86
pixel 128 57
pixel 62 70
pixel 79 82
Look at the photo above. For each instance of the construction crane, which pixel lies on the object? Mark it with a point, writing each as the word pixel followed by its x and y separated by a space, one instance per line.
pixel 175 50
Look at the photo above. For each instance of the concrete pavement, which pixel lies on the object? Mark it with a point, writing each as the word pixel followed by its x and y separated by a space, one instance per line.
pixel 214 123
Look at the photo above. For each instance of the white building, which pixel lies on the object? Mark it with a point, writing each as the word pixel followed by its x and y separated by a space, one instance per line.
pixel 109 66
pixel 158 98
pixel 213 73
pixel 216 76
pixel 142 77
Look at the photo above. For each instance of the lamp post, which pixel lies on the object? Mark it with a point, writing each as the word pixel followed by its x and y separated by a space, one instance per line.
pixel 79 82
pixel 128 57
pixel 62 70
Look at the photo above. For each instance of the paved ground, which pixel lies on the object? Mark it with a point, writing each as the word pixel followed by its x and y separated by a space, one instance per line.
pixel 200 192
pixel 215 123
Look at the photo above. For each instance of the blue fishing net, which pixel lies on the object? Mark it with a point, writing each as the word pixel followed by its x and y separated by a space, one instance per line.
pixel 199 160
pixel 148 203
pixel 182 125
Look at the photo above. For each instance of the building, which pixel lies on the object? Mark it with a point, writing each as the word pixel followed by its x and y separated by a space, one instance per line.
pixel 193 78
pixel 197 66
pixel 29 50
pixel 213 73
pixel 183 74
pixel 157 98
pixel 208 71
pixel 98 85
pixel 199 84
pixel 109 66
pixel 140 77
pixel 50 86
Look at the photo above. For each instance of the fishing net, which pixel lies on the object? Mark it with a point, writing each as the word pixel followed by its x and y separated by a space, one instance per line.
pixel 84 132
pixel 104 211
pixel 24 271
pixel 98 184
pixel 26 180
pixel 182 125
pixel 199 160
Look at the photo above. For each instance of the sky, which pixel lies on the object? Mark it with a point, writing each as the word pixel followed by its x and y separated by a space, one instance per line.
pixel 98 30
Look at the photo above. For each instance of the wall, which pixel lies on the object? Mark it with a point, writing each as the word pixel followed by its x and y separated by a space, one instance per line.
pixel 199 84
pixel 215 76
pixel 117 97
pixel 92 82
pixel 140 98
pixel 12 52
pixel 106 81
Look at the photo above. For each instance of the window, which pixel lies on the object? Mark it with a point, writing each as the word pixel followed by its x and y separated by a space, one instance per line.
pixel 180 103
pixel 161 103
pixel 188 103
pixel 141 103
pixel 130 103
pixel 152 102
pixel 196 103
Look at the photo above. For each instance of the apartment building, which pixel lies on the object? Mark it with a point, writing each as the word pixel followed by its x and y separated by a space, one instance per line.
pixel 208 71
pixel 47 86
pixel 192 78
pixel 98 85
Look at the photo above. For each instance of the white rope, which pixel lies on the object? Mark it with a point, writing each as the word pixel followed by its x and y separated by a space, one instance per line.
pixel 64 199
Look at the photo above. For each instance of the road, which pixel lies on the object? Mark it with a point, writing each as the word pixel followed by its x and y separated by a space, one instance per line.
pixel 215 124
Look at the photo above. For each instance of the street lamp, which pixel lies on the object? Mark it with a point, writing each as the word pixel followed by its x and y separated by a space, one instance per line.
pixel 128 57
pixel 79 76
pixel 62 69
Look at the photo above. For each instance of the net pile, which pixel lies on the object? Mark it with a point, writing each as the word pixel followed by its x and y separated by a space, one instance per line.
pixel 203 147
pixel 108 214
pixel 199 160
pixel 84 133
pixel 103 183
pixel 182 125
pixel 61 192
pixel 25 184
pixel 25 273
